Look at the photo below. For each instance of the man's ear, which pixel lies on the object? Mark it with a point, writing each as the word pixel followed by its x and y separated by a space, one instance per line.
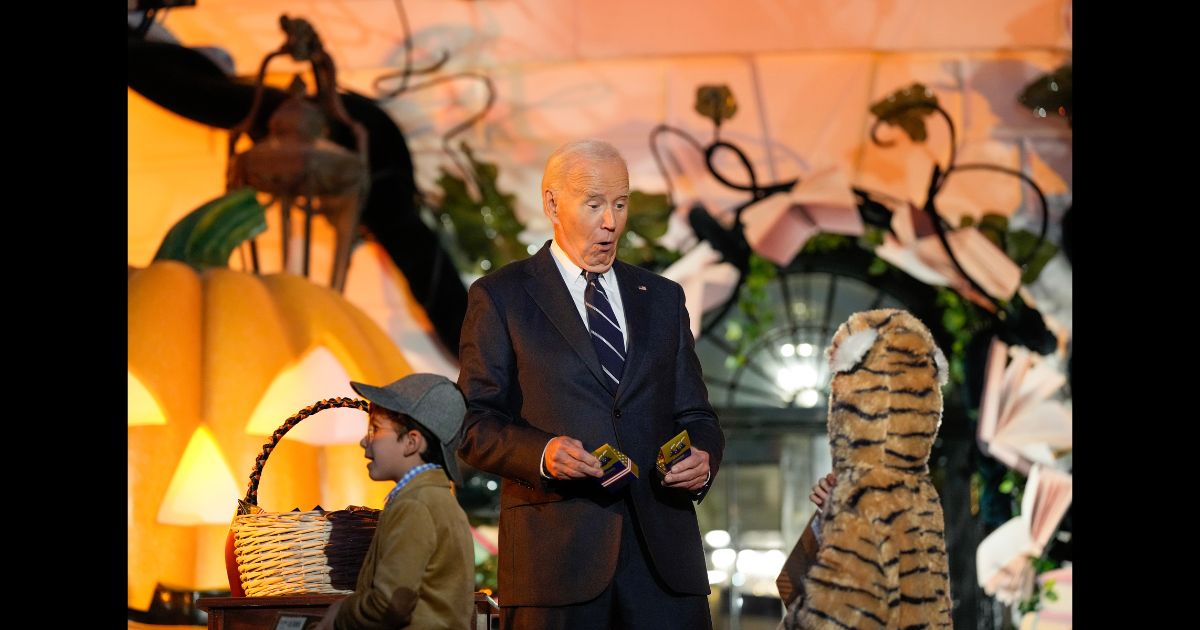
pixel 550 205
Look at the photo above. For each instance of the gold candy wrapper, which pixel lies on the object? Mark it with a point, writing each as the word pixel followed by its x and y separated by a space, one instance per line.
pixel 618 468
pixel 676 449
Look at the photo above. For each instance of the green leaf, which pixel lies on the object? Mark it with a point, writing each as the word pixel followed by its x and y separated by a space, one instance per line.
pixel 207 236
pixel 827 243
pixel 871 238
pixel 958 370
pixel 650 256
pixel 648 214
pixel 762 268
pixel 715 102
pixel 1013 483
pixel 947 298
pixel 753 305
pixel 963 320
pixel 878 267
pixel 907 109
pixel 1043 564
pixel 993 221
pixel 995 228
pixel 487 228
pixel 1020 244
pixel 646 222
pixel 954 320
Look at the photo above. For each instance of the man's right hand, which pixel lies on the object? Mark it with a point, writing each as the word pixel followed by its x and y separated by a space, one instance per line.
pixel 567 459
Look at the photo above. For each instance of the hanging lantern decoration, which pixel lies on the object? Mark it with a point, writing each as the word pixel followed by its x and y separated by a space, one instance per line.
pixel 296 163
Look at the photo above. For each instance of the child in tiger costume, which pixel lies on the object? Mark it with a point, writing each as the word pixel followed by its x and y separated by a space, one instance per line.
pixel 881 560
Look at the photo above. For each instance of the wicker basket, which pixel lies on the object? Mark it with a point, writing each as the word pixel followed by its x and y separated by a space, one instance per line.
pixel 298 552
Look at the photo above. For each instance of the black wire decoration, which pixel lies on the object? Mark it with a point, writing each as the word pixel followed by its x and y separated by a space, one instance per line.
pixel 731 242
pixel 405 74
pixel 407 71
pixel 1014 322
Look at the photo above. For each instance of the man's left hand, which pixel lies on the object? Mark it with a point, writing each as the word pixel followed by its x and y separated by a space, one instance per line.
pixel 690 473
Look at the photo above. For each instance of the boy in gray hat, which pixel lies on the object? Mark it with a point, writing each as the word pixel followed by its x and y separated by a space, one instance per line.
pixel 419 571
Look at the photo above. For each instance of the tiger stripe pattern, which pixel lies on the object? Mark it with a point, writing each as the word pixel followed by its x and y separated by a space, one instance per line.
pixel 882 559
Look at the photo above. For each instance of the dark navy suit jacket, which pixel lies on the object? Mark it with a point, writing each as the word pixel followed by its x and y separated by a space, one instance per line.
pixel 529 373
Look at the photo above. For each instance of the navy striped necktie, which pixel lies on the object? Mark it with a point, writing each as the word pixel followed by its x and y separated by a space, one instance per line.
pixel 606 332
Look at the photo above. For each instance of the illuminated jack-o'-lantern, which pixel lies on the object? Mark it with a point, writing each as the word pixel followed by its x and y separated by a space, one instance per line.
pixel 220 358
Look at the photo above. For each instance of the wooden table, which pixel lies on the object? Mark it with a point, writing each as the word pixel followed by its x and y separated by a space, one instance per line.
pixel 263 613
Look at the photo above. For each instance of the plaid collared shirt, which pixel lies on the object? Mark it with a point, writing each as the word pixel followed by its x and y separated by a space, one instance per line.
pixel 408 476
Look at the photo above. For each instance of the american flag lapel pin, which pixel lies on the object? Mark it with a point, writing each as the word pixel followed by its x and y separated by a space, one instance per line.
pixel 641 287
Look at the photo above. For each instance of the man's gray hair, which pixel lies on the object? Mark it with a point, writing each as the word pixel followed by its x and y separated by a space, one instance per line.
pixel 562 165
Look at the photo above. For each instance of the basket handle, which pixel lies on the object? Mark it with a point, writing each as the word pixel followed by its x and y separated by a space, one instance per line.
pixel 261 460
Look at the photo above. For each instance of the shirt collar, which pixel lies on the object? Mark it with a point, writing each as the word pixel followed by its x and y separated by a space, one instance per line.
pixel 408 476
pixel 571 272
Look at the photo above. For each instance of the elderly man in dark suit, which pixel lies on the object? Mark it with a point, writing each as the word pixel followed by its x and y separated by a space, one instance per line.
pixel 561 353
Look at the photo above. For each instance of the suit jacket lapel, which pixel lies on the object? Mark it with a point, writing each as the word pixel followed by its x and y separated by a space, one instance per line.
pixel 545 285
pixel 636 303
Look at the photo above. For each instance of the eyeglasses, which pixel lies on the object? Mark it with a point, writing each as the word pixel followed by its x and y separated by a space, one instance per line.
pixel 372 429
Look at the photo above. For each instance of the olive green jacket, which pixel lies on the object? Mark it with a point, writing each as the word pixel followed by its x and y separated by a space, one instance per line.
pixel 420 570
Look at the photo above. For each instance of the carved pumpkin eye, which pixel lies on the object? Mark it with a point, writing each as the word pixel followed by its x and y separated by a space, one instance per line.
pixel 143 407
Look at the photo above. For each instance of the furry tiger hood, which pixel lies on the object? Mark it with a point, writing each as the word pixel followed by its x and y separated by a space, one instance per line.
pixel 881 560
pixel 888 372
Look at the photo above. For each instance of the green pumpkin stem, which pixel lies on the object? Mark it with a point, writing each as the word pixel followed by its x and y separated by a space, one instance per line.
pixel 207 236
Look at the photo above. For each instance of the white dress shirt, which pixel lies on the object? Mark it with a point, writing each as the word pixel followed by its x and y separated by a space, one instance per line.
pixel 572 276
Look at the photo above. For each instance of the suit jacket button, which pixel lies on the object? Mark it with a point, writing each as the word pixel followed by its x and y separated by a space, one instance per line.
pixel 617 413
